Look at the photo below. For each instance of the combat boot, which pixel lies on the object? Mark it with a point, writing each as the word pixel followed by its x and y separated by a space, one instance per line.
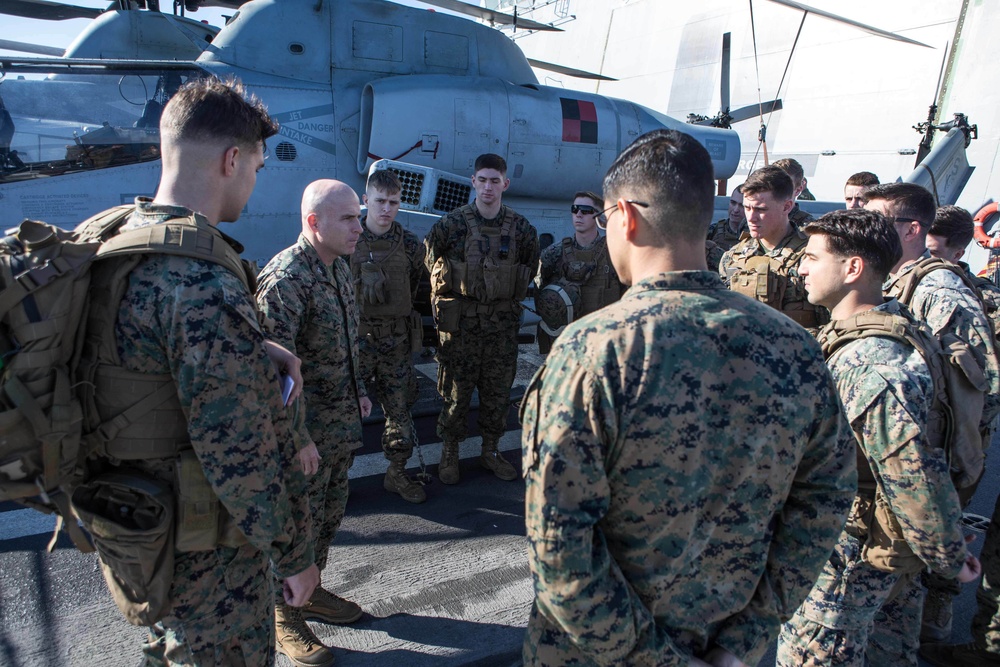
pixel 326 607
pixel 936 624
pixel 494 461
pixel 448 468
pixel 958 655
pixel 296 641
pixel 396 481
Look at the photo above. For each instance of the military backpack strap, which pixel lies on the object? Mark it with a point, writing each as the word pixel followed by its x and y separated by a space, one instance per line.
pixel 181 237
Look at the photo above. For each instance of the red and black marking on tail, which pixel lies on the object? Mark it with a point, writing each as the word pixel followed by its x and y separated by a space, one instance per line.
pixel 579 121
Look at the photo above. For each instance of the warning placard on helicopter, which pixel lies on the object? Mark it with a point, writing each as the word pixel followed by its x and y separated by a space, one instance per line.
pixel 579 121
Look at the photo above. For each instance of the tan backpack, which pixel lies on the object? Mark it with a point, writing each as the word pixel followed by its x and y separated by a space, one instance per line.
pixel 44 301
pixel 953 423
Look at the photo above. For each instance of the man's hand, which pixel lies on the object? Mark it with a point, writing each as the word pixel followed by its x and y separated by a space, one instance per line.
pixel 365 404
pixel 287 364
pixel 972 568
pixel 309 458
pixel 298 588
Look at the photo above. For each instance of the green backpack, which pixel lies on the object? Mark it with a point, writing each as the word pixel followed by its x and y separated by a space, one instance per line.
pixel 44 301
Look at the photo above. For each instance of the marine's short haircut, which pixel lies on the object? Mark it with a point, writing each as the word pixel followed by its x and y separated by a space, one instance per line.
pixel 674 174
pixel 862 178
pixel 791 167
pixel 207 110
pixel 862 233
pixel 770 179
pixel 385 181
pixel 908 200
pixel 594 197
pixel 954 225
pixel 491 161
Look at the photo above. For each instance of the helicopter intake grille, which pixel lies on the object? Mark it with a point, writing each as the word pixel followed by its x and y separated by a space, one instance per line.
pixel 450 195
pixel 413 185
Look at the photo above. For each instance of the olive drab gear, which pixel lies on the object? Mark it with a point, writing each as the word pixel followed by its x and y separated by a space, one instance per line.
pixel 953 425
pixel 63 395
pixel 774 280
pixel 382 278
pixel 590 269
pixel 491 273
pixel 558 304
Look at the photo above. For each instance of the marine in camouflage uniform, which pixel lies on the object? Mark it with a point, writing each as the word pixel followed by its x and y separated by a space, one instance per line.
pixel 632 566
pixel 727 232
pixel 798 218
pixel 477 334
pixel 195 322
pixel 743 270
pixel 306 294
pixel 588 267
pixel 856 611
pixel 386 358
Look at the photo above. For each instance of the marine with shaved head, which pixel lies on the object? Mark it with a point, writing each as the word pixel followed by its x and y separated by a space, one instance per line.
pixel 306 293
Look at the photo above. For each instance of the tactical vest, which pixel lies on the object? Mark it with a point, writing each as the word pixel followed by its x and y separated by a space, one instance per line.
pixel 590 269
pixel 775 280
pixel 490 273
pixel 386 256
pixel 959 388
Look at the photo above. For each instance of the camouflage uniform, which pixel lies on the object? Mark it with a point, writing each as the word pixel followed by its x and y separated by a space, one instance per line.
pixel 483 352
pixel 783 289
pixel 856 610
pixel 196 322
pixel 945 303
pixel 561 261
pixel 713 255
pixel 721 235
pixel 309 308
pixel 675 503
pixel 386 354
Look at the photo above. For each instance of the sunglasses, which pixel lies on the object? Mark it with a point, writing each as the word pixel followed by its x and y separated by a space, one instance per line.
pixel 586 210
pixel 603 224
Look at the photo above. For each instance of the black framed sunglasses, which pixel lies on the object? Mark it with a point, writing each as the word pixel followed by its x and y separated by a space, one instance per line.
pixel 586 210
pixel 602 221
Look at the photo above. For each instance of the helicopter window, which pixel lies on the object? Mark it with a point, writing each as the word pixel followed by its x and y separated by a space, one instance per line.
pixel 63 121
pixel 296 48
pixel 378 41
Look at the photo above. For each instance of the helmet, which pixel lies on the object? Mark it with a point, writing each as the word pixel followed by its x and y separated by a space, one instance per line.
pixel 557 304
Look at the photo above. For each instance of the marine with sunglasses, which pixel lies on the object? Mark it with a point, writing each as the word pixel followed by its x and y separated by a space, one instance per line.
pixel 580 260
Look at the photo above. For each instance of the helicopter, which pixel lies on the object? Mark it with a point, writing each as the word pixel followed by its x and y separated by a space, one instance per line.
pixel 350 82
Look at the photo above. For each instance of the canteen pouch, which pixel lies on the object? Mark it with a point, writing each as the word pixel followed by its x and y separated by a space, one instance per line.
pixel 885 549
pixel 415 325
pixel 131 518
pixel 202 522
pixel 449 314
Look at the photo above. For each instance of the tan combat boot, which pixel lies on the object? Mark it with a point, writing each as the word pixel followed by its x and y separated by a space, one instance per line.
pixel 494 461
pixel 329 608
pixel 448 468
pixel 396 481
pixel 296 641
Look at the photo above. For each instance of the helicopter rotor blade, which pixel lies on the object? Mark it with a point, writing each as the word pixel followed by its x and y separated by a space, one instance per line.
pixel 47 11
pixel 724 79
pixel 754 110
pixel 878 32
pixel 569 71
pixel 25 47
pixel 491 15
